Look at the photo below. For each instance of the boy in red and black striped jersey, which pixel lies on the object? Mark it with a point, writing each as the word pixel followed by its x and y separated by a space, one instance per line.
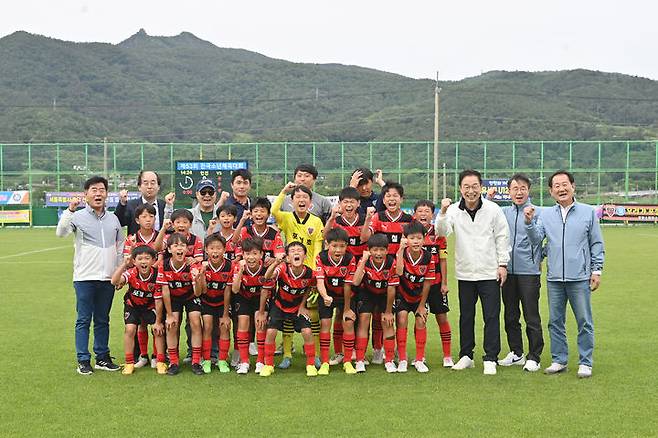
pixel 249 283
pixel 181 220
pixel 142 302
pixel 223 225
pixel 334 270
pixel 294 281
pixel 214 280
pixel 416 269
pixel 438 296
pixel 376 274
pixel 272 243
pixel 177 277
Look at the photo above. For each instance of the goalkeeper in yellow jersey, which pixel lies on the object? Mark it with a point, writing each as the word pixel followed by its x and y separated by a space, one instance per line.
pixel 300 226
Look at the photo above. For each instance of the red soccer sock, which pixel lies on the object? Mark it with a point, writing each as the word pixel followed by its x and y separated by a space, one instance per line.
pixel 421 340
pixel 348 346
pixel 361 345
pixel 309 349
pixel 143 341
pixel 224 345
pixel 206 346
pixel 130 358
pixel 377 331
pixel 389 349
pixel 269 353
pixel 196 355
pixel 260 339
pixel 338 336
pixel 401 338
pixel 325 343
pixel 446 338
pixel 161 357
pixel 243 345
pixel 173 355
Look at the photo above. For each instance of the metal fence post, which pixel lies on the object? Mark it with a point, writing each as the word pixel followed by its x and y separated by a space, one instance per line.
pixel 514 157
pixel 598 173
pixel 285 163
pixel 257 171
pixel 171 166
pixel 399 162
pixel 628 161
pixel 484 151
pixel 57 162
pixel 29 176
pixel 541 174
pixel 456 169
pixel 427 195
pixel 342 164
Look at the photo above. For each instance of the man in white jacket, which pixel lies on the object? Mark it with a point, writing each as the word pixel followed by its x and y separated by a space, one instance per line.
pixel 481 254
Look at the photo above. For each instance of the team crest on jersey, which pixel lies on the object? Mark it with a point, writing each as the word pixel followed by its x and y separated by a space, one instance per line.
pixel 150 287
pixel 343 270
pixel 304 283
pixel 310 230
pixel 385 275
pixel 185 276
pixel 422 270
pixel 262 279
pixel 267 243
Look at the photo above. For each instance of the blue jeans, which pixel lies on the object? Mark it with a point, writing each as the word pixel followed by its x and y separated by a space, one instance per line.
pixel 579 296
pixel 93 300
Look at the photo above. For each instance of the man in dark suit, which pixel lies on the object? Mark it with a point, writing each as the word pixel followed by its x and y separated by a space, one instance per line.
pixel 148 183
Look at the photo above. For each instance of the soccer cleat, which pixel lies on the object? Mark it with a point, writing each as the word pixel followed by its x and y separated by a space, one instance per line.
pixel 142 362
pixel 318 364
pixel 378 356
pixel 197 369
pixel 390 367
pixel 285 363
pixel 235 358
pixel 84 368
pixel 349 368
pixel 365 361
pixel 188 357
pixel 447 362
pixel 173 369
pixel 402 366
pixel 463 363
pixel 512 359
pixel 243 368
pixel 253 349
pixel 337 359
pixel 128 369
pixel 311 371
pixel 154 362
pixel 360 367
pixel 267 371
pixel 324 369
pixel 259 367
pixel 223 366
pixel 161 368
pixel 531 366
pixel 489 367
pixel 555 368
pixel 106 364
pixel 584 371
pixel 420 366
pixel 207 366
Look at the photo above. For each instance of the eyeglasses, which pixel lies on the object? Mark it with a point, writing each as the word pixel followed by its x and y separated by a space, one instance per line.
pixel 207 192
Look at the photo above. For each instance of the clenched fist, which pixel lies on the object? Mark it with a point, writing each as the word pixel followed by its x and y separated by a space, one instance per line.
pixel 445 203
pixel 529 213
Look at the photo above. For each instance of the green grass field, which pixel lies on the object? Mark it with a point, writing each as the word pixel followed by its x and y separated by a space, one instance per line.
pixel 43 395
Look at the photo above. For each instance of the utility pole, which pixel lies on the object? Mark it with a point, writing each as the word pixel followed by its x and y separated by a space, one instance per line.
pixel 435 173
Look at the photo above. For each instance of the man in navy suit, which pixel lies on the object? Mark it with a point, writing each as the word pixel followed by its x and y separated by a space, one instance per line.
pixel 148 183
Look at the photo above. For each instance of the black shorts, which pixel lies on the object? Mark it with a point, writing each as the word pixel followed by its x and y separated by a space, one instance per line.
pixel 245 306
pixel 215 311
pixel 276 317
pixel 402 305
pixel 367 302
pixel 327 312
pixel 138 314
pixel 437 301
pixel 191 305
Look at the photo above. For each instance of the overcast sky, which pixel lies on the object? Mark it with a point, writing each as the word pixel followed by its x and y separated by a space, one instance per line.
pixel 410 37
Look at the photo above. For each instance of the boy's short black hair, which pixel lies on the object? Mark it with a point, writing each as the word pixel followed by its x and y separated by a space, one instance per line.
pixel 143 249
pixel 519 177
pixel 293 244
pixel 95 180
pixel 228 209
pixel 141 174
pixel 214 237
pixel 244 173
pixel 301 188
pixel 176 238
pixel 150 209
pixel 392 185
pixel 337 235
pixel 561 172
pixel 182 213
pixel 469 172
pixel 252 243
pixel 262 203
pixel 308 168
pixel 413 227
pixel 366 175
pixel 349 193
pixel 425 203
pixel 378 240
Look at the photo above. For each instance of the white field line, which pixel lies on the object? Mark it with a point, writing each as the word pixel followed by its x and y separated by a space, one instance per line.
pixel 36 251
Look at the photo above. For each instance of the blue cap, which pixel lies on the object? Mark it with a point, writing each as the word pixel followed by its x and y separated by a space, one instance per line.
pixel 205 183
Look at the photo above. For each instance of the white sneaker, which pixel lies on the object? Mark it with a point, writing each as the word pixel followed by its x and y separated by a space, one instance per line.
pixel 360 367
pixel 390 367
pixel 154 362
pixel 447 362
pixel 421 367
pixel 243 368
pixel 235 358
pixel 365 361
pixel 402 366
pixel 584 371
pixel 259 366
pixel 463 363
pixel 531 366
pixel 512 359
pixel 378 356
pixel 142 362
pixel 413 362
pixel 253 349
pixel 489 367
pixel 555 368
pixel 337 359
